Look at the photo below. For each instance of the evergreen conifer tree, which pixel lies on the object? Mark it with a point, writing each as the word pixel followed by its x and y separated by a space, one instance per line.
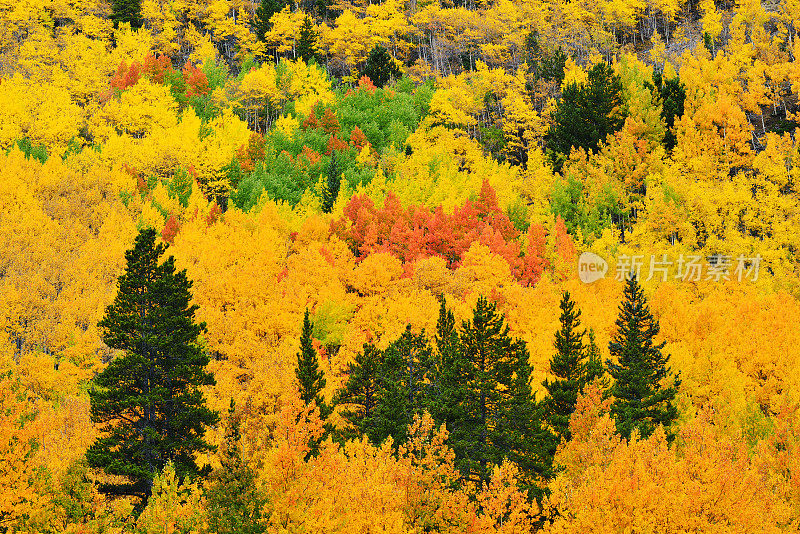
pixel 403 386
pixel 644 388
pixel 311 380
pixel 261 22
pixel 385 389
pixel 446 402
pixel 234 501
pixel 330 191
pixel 310 377
pixel 499 409
pixel 586 113
pixel 594 363
pixel 361 392
pixel 672 94
pixel 307 40
pixel 380 67
pixel 129 11
pixel 147 401
pixel 570 369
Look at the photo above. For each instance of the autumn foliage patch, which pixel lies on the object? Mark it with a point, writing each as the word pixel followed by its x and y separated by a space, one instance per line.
pixel 416 232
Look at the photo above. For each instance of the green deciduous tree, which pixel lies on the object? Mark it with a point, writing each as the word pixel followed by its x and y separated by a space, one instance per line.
pixel 644 389
pixel 147 401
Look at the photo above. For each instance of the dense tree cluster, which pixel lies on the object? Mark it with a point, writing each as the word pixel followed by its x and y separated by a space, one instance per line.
pixel 378 214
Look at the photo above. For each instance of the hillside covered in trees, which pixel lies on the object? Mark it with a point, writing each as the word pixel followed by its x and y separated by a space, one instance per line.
pixel 425 266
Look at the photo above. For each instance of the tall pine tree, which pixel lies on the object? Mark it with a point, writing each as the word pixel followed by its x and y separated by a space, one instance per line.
pixel 571 367
pixel 380 66
pixel 586 113
pixel 498 407
pixel 234 501
pixel 311 379
pixel 385 389
pixel 446 402
pixel 403 386
pixel 309 376
pixel 331 187
pixel 361 393
pixel 147 401
pixel 129 11
pixel 307 41
pixel 644 388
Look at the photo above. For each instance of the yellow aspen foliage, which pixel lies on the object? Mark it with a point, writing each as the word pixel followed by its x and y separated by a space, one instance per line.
pixel 87 65
pixel 164 25
pixel 282 36
pixel 273 88
pixel 143 110
pixel 445 167
pixel 608 485
pixel 63 234
pixel 482 272
pixel 504 508
pixel 355 33
pixel 376 274
pixel 217 150
pixel 131 45
pixel 42 113
pixel 636 79
pixel 712 20
pixel 17 448
pixel 15 114
pixel 173 506
pixel 433 501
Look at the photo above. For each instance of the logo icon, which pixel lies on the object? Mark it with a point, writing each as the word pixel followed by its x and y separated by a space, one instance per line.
pixel 591 267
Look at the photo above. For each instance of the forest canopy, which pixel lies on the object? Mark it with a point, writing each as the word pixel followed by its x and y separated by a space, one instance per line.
pixel 485 266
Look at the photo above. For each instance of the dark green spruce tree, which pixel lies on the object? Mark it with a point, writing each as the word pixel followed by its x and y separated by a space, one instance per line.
pixel 360 394
pixel 311 379
pixel 306 43
pixel 147 401
pixel 330 191
pixel 644 389
pixel 586 114
pixel 234 501
pixel 446 401
pixel 129 11
pixel 385 389
pixel 572 368
pixel 498 408
pixel 380 67
pixel 672 95
pixel 594 362
pixel 403 386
